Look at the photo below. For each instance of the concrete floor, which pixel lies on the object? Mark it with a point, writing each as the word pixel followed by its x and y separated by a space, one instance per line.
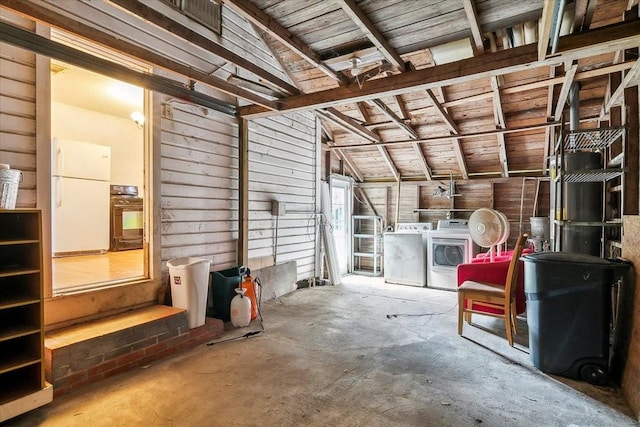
pixel 337 356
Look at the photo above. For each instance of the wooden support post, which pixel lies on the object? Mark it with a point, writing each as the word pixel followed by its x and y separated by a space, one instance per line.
pixel 243 192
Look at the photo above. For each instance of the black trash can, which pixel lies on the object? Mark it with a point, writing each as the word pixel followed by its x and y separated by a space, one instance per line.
pixel 221 291
pixel 569 311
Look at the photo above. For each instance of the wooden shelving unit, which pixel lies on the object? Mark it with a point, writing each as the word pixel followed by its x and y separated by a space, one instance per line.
pixel 366 245
pixel 22 383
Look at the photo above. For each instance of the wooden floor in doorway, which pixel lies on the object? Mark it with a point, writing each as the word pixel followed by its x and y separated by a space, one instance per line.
pixel 74 272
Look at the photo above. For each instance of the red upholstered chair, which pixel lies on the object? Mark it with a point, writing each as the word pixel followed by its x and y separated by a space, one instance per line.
pixel 495 276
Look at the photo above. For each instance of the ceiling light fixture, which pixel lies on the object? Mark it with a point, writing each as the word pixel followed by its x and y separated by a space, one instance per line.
pixel 355 65
pixel 138 119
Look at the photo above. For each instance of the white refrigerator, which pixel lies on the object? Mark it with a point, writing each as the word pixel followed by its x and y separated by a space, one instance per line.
pixel 80 196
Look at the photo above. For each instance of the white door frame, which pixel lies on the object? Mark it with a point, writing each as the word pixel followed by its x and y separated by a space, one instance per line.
pixel 344 252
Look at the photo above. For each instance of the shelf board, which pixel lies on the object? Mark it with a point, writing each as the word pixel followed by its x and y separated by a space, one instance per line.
pixel 18 242
pixel 17 271
pixel 16 362
pixel 17 301
pixel 366 254
pixel 592 175
pixel 612 223
pixel 17 332
pixel 592 139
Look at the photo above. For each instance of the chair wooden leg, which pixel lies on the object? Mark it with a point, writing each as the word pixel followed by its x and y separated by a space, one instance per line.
pixel 460 311
pixel 467 314
pixel 508 326
pixel 514 318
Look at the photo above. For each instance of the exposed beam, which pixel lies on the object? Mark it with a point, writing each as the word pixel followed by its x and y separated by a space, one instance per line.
pixel 259 33
pixel 472 17
pixel 601 40
pixel 348 124
pixel 342 155
pixel 455 142
pixel 62 22
pixel 498 114
pixel 174 27
pixel 500 123
pixel 253 14
pixel 423 161
pixel 564 92
pixel 457 150
pixel 384 108
pixel 582 75
pixel 373 34
pixel 546 24
pixel 389 161
pixel 441 111
pixel 549 133
pixel 631 78
pixel 448 137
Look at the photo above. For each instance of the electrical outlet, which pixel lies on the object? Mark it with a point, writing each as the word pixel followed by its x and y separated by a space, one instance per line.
pixel 278 208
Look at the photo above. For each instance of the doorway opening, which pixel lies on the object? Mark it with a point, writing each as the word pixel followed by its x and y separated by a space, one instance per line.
pixel 98 180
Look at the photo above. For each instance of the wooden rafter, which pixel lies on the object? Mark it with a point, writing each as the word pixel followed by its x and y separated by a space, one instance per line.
pixel 564 92
pixel 500 123
pixel 389 161
pixel 57 20
pixel 348 124
pixel 455 142
pixel 449 137
pixel 549 133
pixel 382 150
pixel 546 24
pixel 603 39
pixel 631 76
pixel 253 14
pixel 391 55
pixel 472 17
pixel 166 23
pixel 373 34
pixel 423 161
pixel 386 110
pixel 551 81
pixel 442 112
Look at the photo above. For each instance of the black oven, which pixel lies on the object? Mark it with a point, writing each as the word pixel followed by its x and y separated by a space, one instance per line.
pixel 127 218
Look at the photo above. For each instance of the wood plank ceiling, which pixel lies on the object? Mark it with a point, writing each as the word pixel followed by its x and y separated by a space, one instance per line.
pixel 347 48
pixel 416 90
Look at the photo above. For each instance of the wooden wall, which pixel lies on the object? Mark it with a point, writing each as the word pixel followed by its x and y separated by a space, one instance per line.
pixel 200 187
pixel 628 339
pixel 199 184
pixel 18 112
pixel 419 202
pixel 282 167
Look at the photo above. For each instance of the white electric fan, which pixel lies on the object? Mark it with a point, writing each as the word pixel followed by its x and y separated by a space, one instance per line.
pixel 489 228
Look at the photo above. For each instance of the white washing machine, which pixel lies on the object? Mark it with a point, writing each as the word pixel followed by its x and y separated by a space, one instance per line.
pixel 405 254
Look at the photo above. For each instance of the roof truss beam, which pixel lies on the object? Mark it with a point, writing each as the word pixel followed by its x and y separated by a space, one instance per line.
pixel 501 124
pixel 253 14
pixel 604 39
pixel 472 17
pixel 373 34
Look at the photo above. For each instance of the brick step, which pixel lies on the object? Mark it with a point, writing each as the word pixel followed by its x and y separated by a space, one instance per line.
pixel 89 352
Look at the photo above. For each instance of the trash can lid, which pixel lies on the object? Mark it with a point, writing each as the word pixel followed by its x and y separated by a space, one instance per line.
pixel 568 257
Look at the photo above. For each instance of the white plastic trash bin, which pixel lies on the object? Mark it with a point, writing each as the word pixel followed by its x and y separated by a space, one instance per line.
pixel 189 278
